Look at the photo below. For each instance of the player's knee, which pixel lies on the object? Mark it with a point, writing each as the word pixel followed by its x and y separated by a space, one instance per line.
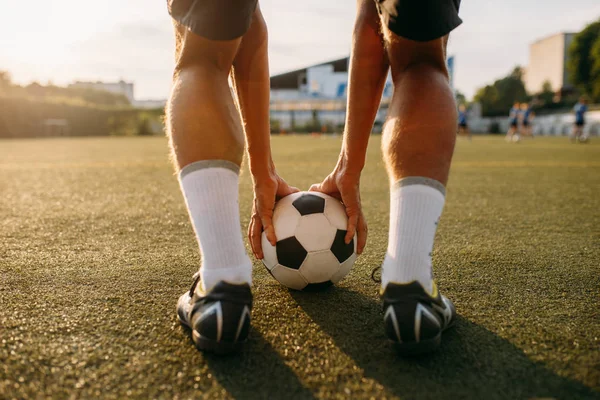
pixel 197 55
pixel 201 68
pixel 193 73
pixel 417 58
pixel 425 70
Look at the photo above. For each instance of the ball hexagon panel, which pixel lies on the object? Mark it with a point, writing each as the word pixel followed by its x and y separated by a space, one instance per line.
pixel 290 253
pixel 336 213
pixel 315 233
pixel 288 200
pixel 344 269
pixel 289 277
pixel 340 249
pixel 309 203
pixel 319 267
pixel 269 253
pixel 285 220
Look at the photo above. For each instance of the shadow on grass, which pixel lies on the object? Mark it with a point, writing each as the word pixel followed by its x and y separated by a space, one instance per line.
pixel 472 362
pixel 257 372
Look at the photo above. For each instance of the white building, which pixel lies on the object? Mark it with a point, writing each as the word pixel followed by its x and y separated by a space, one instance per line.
pixel 150 104
pixel 315 97
pixel 328 80
pixel 548 62
pixel 120 87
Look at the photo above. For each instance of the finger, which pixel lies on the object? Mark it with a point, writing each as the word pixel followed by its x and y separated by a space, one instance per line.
pixel 362 233
pixel 352 204
pixel 316 187
pixel 352 224
pixel 323 188
pixel 286 190
pixel 267 223
pixel 256 238
pixel 249 234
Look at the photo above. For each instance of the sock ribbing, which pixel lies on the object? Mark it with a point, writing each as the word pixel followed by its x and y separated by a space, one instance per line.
pixel 416 205
pixel 210 189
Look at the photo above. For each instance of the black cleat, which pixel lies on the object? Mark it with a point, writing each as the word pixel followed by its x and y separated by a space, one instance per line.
pixel 414 319
pixel 219 319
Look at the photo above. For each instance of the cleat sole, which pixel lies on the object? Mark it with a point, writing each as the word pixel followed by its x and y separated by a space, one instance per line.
pixel 212 346
pixel 419 348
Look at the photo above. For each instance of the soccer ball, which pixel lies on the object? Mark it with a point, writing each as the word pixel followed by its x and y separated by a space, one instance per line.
pixel 310 252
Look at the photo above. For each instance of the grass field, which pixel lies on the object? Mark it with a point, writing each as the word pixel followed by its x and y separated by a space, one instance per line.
pixel 96 247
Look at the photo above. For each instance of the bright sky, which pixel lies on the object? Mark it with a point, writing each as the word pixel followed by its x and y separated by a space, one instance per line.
pixel 66 40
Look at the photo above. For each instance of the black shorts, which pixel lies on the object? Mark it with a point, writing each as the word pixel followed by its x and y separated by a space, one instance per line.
pixel 525 123
pixel 579 123
pixel 214 19
pixel 463 125
pixel 514 123
pixel 420 20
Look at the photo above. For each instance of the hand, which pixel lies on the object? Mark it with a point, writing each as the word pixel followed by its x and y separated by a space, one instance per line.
pixel 267 190
pixel 344 185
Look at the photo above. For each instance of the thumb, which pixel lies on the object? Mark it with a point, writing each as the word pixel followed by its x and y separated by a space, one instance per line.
pixel 315 187
pixel 327 187
pixel 286 190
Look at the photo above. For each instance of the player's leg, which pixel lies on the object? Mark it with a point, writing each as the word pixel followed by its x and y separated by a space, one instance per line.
pixel 207 143
pixel 518 130
pixel 583 136
pixel 510 133
pixel 464 131
pixel 418 142
pixel 575 134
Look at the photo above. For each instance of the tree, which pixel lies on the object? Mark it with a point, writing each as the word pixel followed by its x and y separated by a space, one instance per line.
pixel 143 128
pixel 488 97
pixel 595 83
pixel 496 99
pixel 547 95
pixel 461 98
pixel 584 60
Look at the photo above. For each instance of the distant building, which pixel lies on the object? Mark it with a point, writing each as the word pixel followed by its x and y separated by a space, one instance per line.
pixel 314 97
pixel 328 80
pixel 149 104
pixel 120 87
pixel 548 62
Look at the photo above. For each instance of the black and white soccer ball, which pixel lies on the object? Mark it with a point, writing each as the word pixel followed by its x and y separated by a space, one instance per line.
pixel 310 252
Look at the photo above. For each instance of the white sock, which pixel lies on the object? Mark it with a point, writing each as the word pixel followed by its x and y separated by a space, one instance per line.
pixel 210 188
pixel 416 205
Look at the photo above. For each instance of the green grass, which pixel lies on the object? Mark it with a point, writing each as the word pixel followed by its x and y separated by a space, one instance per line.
pixel 96 247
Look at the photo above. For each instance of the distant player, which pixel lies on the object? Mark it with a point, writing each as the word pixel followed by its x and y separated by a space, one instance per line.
pixel 513 131
pixel 527 117
pixel 580 110
pixel 463 127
